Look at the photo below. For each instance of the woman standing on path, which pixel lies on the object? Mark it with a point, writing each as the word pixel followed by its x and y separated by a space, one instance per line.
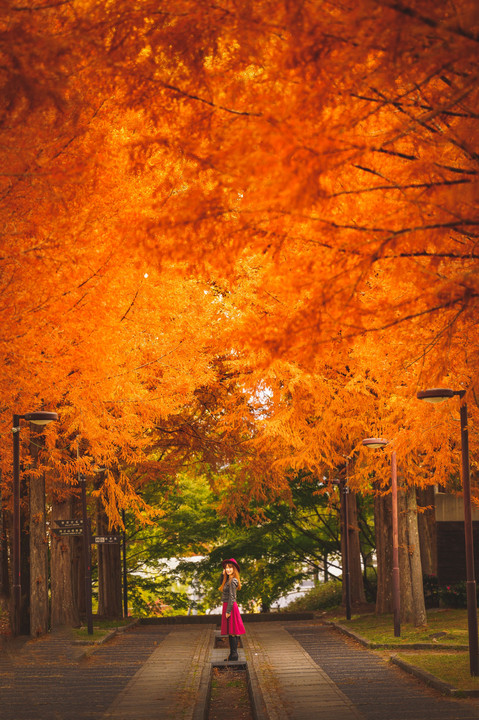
pixel 231 622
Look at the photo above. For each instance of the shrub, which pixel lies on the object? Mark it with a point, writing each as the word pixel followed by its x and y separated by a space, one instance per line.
pixel 431 591
pixel 370 584
pixel 322 597
pixel 453 596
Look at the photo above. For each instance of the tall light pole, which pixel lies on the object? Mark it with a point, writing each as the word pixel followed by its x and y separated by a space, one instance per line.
pixel 125 574
pixel 437 395
pixel 86 555
pixel 38 418
pixel 396 593
pixel 344 490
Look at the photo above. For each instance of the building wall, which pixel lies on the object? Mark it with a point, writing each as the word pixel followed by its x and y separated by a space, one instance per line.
pixel 451 553
pixel 450 508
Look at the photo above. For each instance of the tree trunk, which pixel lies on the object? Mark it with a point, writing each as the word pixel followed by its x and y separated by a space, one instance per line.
pixel 427 530
pixel 39 610
pixel 358 596
pixel 64 602
pixel 406 594
pixel 4 573
pixel 413 609
pixel 24 556
pixel 419 617
pixel 4 537
pixel 38 558
pixel 109 572
pixel 79 575
pixel 78 562
pixel 5 534
pixel 383 532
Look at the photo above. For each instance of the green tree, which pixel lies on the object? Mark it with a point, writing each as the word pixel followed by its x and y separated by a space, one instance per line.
pixel 185 525
pixel 291 539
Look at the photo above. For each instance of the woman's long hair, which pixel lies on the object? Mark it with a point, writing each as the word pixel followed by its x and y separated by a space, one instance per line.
pixel 235 575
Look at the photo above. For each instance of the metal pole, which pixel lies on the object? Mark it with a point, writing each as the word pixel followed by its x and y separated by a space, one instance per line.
pixel 395 574
pixel 16 565
pixel 344 489
pixel 345 493
pixel 125 578
pixel 469 544
pixel 87 557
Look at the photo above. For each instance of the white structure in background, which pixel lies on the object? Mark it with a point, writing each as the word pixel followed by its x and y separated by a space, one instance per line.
pixel 194 591
pixel 304 587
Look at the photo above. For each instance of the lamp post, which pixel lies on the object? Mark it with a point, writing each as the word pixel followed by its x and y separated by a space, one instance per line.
pixel 379 443
pixel 437 395
pixel 125 575
pixel 86 555
pixel 344 490
pixel 38 418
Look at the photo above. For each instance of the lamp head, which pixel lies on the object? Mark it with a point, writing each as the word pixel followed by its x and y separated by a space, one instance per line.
pixel 375 442
pixel 436 395
pixel 40 417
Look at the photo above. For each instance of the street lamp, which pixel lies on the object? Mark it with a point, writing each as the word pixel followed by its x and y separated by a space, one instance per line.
pixel 86 555
pixel 379 443
pixel 38 418
pixel 437 395
pixel 344 489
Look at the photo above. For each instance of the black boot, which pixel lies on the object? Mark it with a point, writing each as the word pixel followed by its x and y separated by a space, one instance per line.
pixel 233 648
pixel 230 637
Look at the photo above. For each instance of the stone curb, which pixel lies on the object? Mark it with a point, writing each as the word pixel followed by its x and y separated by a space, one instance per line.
pixel 393 646
pixel 216 619
pixel 432 680
pixel 423 675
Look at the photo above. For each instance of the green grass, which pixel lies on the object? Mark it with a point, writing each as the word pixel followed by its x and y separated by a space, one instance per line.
pixel 452 667
pixel 380 628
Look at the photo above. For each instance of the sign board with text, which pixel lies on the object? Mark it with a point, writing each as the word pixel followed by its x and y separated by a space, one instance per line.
pixel 70 523
pixel 106 539
pixel 68 531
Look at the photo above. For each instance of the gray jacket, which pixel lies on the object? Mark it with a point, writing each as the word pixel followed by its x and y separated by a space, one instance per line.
pixel 229 593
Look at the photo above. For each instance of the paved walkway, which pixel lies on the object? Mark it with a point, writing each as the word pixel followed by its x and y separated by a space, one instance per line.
pixel 167 685
pixel 378 689
pixel 292 684
pixel 297 670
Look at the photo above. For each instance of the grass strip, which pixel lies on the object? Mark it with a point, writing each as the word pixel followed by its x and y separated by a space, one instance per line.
pixel 446 626
pixel 101 628
pixel 450 667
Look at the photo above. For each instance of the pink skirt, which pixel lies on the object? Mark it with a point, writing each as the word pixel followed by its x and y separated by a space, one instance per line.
pixel 234 624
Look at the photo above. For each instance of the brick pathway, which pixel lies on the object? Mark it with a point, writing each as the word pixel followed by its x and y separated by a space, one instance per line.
pixel 379 690
pixel 45 680
pixel 292 684
pixel 299 671
pixel 166 686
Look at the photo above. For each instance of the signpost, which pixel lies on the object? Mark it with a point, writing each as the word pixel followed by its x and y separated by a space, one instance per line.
pixel 73 523
pixel 68 531
pixel 75 527
pixel 68 527
pixel 106 539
